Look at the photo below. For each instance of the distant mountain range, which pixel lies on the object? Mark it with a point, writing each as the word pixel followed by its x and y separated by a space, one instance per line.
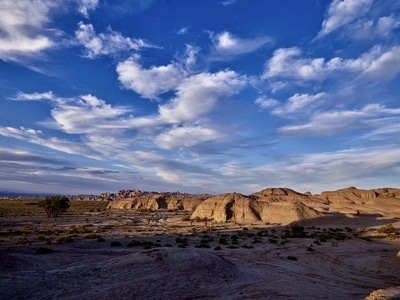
pixel 18 194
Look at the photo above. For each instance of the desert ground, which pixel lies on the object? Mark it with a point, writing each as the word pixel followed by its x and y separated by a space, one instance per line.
pixel 99 253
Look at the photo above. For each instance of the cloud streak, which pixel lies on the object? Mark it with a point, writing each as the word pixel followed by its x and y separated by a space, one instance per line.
pixel 107 43
pixel 333 122
pixel 226 44
pixel 377 63
pixel 342 12
pixel 22 28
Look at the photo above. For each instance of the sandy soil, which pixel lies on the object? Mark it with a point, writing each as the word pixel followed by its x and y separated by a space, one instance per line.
pixel 163 257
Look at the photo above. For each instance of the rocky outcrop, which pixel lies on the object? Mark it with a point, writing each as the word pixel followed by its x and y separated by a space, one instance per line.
pixel 392 293
pixel 271 205
pixel 138 200
pixel 356 195
pixel 286 212
pixel 351 200
pixel 267 206
pixel 228 207
pixel 278 194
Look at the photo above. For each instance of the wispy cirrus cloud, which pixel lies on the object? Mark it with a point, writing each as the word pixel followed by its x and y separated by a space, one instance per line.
pixel 85 6
pixel 298 103
pixel 374 29
pixel 107 43
pixel 23 29
pixel 34 96
pixel 38 172
pixel 81 115
pixel 228 2
pixel 264 102
pixel 377 63
pixel 126 7
pixel 352 166
pixel 185 136
pixel 225 43
pixel 37 137
pixel 360 20
pixel 101 126
pixel 371 116
pixel 342 12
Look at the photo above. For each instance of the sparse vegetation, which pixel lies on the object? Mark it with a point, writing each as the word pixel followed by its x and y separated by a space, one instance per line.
pixel 388 228
pixel 54 205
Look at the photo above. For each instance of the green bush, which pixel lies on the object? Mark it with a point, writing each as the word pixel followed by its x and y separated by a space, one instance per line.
pixel 54 205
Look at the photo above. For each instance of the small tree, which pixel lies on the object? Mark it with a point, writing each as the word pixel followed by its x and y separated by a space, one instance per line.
pixel 53 205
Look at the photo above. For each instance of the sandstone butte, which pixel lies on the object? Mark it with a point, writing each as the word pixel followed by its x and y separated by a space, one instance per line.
pixel 271 205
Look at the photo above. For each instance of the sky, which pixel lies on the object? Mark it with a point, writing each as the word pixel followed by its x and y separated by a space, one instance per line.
pixel 199 95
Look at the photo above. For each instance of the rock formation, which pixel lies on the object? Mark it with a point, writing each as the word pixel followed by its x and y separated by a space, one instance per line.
pixel 392 293
pixel 271 205
pixel 135 199
pixel 231 206
pixel 267 206
pixel 357 195
pixel 350 200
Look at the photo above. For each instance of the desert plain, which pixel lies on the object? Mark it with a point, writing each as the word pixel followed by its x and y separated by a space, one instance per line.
pixel 338 245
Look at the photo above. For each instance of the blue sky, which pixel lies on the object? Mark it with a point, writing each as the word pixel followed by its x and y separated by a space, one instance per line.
pixel 199 96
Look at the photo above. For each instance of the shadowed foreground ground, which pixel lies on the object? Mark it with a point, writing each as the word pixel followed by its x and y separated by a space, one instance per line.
pixel 341 257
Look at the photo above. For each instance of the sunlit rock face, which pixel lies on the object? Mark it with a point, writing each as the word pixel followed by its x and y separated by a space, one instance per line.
pixel 275 207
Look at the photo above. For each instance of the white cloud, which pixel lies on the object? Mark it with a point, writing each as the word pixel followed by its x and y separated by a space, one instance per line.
pixel 228 2
pixel 377 63
pixel 34 96
pixel 297 103
pixel 83 114
pixel 87 114
pixel 85 6
pixel 197 95
pixel 343 12
pixel 371 29
pixel 385 65
pixel 108 43
pixel 190 58
pixel 183 31
pixel 186 136
pixel 227 44
pixel 22 30
pixel 264 102
pixel 102 127
pixel 388 129
pixel 20 133
pixel 332 122
pixel 385 25
pixel 352 164
pixel 149 82
pixel 361 167
pixel 37 137
pixel 287 62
